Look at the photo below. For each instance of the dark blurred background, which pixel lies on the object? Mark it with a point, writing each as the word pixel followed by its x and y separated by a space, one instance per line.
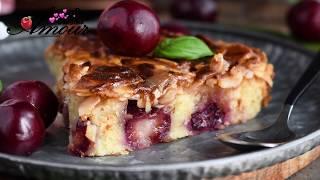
pixel 267 13
pixel 260 15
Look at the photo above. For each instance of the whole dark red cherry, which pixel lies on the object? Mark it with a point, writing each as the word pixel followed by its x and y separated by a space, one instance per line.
pixel 21 127
pixel 198 10
pixel 129 28
pixel 304 20
pixel 174 28
pixel 36 93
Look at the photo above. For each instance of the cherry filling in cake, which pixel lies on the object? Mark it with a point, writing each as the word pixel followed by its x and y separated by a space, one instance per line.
pixel 82 143
pixel 144 129
pixel 209 118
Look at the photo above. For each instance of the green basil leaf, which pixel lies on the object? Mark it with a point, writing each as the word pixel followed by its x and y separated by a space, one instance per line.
pixel 1 86
pixel 184 47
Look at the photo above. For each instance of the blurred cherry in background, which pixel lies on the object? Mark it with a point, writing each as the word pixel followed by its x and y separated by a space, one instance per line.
pixel 199 10
pixel 304 20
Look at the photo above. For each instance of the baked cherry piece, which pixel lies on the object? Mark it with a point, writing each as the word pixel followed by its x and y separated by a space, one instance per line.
pixel 199 10
pixel 36 93
pixel 21 127
pixel 129 28
pixel 174 28
pixel 207 119
pixel 144 129
pixel 304 20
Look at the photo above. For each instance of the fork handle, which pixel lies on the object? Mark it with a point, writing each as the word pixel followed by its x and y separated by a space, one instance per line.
pixel 308 77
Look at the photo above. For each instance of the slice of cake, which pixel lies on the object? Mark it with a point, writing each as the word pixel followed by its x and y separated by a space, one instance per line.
pixel 118 104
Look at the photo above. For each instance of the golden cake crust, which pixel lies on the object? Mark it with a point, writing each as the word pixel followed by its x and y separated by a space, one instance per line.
pixel 90 69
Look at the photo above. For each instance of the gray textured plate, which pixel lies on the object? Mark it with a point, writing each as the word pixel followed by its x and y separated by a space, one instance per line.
pixel 199 156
